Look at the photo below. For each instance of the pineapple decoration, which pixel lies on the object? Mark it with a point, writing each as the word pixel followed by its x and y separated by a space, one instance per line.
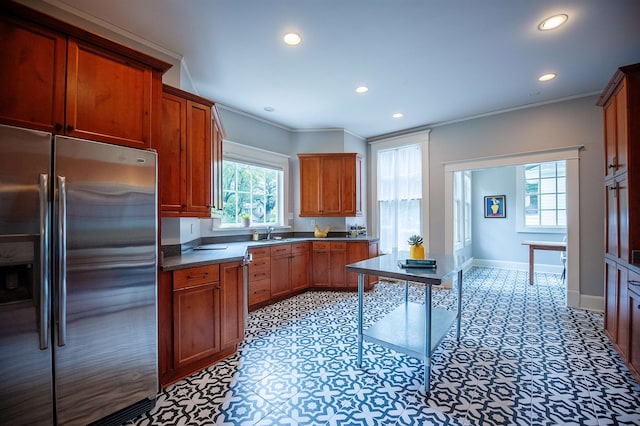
pixel 416 249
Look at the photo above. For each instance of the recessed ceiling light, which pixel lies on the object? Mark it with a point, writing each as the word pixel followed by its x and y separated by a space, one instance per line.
pixel 547 77
pixel 292 39
pixel 362 89
pixel 398 115
pixel 553 22
pixel 269 109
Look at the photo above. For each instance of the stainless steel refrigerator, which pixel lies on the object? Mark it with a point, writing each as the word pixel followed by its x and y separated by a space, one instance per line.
pixel 78 251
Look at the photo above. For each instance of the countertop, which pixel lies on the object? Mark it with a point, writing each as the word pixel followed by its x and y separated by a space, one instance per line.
pixel 233 251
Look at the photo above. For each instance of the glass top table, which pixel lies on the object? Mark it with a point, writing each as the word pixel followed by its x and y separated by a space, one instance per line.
pixel 412 328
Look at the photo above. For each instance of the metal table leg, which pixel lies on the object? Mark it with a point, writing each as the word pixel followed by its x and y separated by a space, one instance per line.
pixel 459 313
pixel 360 307
pixel 427 340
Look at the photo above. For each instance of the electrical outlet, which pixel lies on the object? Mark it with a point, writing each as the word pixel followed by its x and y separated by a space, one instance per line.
pixel 313 222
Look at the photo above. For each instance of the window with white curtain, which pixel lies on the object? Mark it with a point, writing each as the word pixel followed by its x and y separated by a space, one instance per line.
pixel 399 194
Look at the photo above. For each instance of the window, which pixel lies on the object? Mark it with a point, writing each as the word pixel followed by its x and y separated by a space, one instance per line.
pixel 542 197
pixel 250 190
pixel 399 194
pixel 462 208
pixel 253 184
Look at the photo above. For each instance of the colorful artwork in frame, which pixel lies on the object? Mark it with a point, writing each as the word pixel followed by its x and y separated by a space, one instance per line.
pixel 494 206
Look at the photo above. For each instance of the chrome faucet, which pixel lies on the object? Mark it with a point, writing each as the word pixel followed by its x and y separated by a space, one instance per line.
pixel 269 232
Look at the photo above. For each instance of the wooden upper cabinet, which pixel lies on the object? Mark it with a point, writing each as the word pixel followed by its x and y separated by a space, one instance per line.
pixel 185 154
pixel 172 163
pixel 109 97
pixel 217 136
pixel 65 80
pixel 330 184
pixel 199 168
pixel 33 75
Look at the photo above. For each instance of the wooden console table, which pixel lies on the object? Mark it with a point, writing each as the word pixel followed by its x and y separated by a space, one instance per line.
pixel 542 245
pixel 411 328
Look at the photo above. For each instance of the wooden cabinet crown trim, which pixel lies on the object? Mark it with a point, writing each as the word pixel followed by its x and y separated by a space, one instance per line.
pixel 611 87
pixel 186 95
pixel 22 12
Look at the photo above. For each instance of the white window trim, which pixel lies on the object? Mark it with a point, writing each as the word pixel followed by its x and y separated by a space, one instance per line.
pixel 246 154
pixel 520 224
pixel 396 142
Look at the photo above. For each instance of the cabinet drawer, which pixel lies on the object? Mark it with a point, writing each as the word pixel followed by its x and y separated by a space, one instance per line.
pixel 195 276
pixel 321 246
pixel 338 245
pixel 260 252
pixel 260 264
pixel 259 274
pixel 259 291
pixel 281 250
pixel 633 281
pixel 299 248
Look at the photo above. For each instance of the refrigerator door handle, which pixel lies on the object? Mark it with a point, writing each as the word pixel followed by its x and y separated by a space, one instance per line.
pixel 62 260
pixel 44 261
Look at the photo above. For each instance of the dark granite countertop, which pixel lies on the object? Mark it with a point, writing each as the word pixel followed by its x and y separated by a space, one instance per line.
pixel 233 251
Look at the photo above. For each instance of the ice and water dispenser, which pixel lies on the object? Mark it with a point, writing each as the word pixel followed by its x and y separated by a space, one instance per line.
pixel 18 258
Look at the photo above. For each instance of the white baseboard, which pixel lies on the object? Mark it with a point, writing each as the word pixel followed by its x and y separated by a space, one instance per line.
pixel 520 266
pixel 592 303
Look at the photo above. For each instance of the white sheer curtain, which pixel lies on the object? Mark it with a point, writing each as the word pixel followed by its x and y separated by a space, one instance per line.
pixel 399 196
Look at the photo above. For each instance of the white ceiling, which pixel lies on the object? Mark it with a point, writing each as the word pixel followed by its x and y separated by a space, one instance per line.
pixel 433 60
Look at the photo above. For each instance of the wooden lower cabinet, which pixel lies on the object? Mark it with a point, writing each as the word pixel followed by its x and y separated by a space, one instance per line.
pixel 321 273
pixel 338 264
pixel 300 259
pixel 200 318
pixel 196 323
pixel 232 309
pixel 259 282
pixel 611 299
pixel 330 260
pixel 280 270
pixel 633 359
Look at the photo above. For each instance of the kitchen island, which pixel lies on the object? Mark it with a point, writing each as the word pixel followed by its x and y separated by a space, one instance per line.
pixel 411 328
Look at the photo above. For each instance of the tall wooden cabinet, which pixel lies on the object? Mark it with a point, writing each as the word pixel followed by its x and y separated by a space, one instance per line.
pixel 621 103
pixel 330 185
pixel 64 80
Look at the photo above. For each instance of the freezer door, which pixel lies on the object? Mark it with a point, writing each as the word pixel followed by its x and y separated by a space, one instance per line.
pixel 26 379
pixel 105 270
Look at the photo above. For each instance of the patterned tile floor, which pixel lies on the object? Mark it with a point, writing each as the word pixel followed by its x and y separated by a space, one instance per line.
pixel 523 359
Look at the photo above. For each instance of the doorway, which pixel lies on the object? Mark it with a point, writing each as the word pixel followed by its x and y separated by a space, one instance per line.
pixel 571 156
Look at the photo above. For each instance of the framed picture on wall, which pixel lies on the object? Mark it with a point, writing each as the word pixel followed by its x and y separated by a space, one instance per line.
pixel 494 206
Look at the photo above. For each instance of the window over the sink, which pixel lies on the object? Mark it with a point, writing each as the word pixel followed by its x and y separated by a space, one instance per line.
pixel 253 185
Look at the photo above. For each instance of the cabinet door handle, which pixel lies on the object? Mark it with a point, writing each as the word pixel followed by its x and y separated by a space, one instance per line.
pixel 70 128
pixel 58 127
pixel 191 277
